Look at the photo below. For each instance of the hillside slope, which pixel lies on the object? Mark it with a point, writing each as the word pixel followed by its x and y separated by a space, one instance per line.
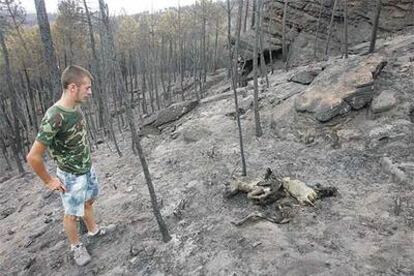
pixel 366 230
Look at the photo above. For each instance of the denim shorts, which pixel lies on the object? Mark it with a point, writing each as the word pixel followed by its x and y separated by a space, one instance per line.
pixel 79 189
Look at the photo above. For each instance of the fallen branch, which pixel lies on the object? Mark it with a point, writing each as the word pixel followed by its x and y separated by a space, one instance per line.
pixel 258 215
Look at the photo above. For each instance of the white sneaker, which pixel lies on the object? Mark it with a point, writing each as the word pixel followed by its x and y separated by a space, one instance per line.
pixel 100 231
pixel 80 254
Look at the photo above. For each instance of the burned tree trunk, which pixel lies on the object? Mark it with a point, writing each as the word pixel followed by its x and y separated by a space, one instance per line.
pixel 31 99
pixel 346 28
pixel 259 131
pixel 216 44
pixel 330 29
pixel 49 50
pixel 16 140
pixel 4 151
pixel 246 14
pixel 106 75
pixel 284 46
pixel 234 74
pixel 263 68
pixel 134 136
pixel 270 50
pixel 102 111
pixel 375 27
pixel 203 48
pixel 253 14
pixel 315 47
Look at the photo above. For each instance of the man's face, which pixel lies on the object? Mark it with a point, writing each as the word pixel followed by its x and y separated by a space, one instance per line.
pixel 83 91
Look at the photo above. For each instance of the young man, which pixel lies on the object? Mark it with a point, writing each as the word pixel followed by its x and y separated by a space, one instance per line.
pixel 63 132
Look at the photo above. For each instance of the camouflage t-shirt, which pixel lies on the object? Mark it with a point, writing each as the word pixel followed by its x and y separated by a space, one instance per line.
pixel 64 133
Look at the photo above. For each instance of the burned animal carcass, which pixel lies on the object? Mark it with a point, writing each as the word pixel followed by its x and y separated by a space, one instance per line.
pixel 271 188
pixel 261 191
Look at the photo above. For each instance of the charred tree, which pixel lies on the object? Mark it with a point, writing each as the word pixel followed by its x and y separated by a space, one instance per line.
pixel 49 50
pixel 107 65
pixel 375 27
pixel 134 136
pixel 4 152
pixel 203 73
pixel 246 14
pixel 330 29
pixel 345 28
pixel 253 15
pixel 315 46
pixel 284 46
pixel 102 111
pixel 259 131
pixel 15 141
pixel 234 73
pixel 263 68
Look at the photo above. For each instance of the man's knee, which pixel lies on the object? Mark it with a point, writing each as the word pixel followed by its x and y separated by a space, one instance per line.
pixel 70 217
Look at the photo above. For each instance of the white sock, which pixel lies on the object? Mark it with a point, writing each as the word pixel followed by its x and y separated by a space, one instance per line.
pixel 94 233
pixel 72 246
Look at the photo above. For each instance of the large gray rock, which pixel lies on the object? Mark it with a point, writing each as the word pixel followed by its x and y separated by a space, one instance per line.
pixel 246 103
pixel 305 76
pixel 385 101
pixel 171 113
pixel 341 87
pixel 192 134
pixel 398 128
pixel 284 91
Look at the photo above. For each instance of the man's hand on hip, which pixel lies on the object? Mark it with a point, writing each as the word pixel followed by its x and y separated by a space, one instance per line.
pixel 55 184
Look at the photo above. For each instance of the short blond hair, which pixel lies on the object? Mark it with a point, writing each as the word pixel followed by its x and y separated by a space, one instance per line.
pixel 74 74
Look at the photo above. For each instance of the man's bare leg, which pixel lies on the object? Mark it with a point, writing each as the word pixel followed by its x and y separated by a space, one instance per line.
pixel 89 217
pixel 71 230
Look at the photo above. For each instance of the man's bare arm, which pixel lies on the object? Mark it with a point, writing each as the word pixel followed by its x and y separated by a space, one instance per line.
pixel 35 160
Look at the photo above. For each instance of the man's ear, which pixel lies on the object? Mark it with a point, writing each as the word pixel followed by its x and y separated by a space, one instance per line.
pixel 71 87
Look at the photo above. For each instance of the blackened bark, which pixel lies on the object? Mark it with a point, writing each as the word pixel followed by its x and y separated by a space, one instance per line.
pixel 284 46
pixel 16 139
pixel 234 72
pixel 317 28
pixel 259 131
pixel 102 112
pixel 375 27
pixel 49 50
pixel 134 136
pixel 346 28
pixel 330 29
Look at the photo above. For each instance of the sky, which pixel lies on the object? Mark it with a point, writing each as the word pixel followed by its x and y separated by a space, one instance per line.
pixel 116 7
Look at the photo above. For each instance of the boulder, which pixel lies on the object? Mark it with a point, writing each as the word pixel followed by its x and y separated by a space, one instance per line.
pixel 385 101
pixel 397 128
pixel 246 103
pixel 171 113
pixel 7 212
pixel 192 134
pixel 305 76
pixel 284 91
pixel 341 87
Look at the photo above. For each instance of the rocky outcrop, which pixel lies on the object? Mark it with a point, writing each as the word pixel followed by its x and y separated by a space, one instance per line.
pixel 172 113
pixel 306 34
pixel 305 76
pixel 341 87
